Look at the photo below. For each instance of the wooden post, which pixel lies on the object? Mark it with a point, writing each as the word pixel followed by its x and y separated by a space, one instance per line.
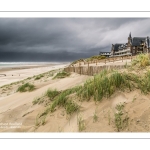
pixel 73 68
pixel 96 62
pixel 105 60
pixel 122 58
pixel 80 68
pixel 88 68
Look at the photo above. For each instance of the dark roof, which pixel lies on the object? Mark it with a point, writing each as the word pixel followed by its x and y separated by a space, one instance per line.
pixel 137 41
pixel 116 46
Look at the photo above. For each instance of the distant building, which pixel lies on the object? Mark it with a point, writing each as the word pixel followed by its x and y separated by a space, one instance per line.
pixel 134 46
pixel 121 49
pixel 107 54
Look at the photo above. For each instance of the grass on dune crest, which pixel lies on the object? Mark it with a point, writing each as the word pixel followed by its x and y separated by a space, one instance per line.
pixel 107 82
pixel 51 94
pixel 62 74
pixel 141 60
pixel 103 85
pixel 58 99
pixel 26 87
pixel 39 77
pixel 63 100
pixel 92 58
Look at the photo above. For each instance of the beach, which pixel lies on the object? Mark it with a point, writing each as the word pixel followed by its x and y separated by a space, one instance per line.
pixel 18 113
pixel 15 73
pixel 13 105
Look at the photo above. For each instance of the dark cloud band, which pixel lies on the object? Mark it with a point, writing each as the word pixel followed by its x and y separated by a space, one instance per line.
pixel 64 39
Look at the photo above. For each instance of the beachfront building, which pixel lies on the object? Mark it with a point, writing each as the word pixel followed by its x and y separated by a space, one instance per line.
pixel 134 46
pixel 106 54
pixel 121 49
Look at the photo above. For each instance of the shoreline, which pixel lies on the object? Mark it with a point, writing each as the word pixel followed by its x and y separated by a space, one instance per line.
pixel 14 74
pixel 27 66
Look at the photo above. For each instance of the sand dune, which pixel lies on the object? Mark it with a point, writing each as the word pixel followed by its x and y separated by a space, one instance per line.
pixel 17 108
pixel 14 106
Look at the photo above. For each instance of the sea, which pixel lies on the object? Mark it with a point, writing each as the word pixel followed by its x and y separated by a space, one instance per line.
pixel 20 64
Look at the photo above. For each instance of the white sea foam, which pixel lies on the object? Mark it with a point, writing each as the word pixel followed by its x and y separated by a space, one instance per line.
pixel 16 64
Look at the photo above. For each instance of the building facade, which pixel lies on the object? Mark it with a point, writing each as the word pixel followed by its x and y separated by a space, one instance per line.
pixel 106 54
pixel 133 47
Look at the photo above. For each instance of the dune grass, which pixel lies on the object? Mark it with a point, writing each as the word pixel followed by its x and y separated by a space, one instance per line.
pixel 39 77
pixel 36 100
pixel 58 99
pixel 26 87
pixel 62 74
pixel 71 107
pixel 141 60
pixel 63 100
pixel 121 120
pixel 81 123
pixel 95 117
pixel 51 94
pixel 92 58
pixel 103 85
pixel 96 57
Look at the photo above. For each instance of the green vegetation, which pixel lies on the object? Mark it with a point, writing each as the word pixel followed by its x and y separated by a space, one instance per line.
pixel 121 120
pixel 96 57
pixel 51 93
pixel 48 74
pixel 95 117
pixel 62 100
pixel 104 85
pixel 141 60
pixel 36 100
pixel 71 107
pixel 76 61
pixel 39 77
pixel 81 123
pixel 26 87
pixel 62 74
pixel 93 58
pixel 58 99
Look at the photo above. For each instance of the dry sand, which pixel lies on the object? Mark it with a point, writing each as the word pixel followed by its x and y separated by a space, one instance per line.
pixel 19 73
pixel 17 108
pixel 102 63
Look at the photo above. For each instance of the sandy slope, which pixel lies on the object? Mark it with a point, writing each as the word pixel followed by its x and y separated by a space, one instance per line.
pixel 18 108
pixel 138 112
pixel 14 106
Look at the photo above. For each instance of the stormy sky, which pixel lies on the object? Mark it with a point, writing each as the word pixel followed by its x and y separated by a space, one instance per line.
pixel 64 39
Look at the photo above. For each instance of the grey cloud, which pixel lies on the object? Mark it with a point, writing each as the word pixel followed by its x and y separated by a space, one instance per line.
pixel 64 38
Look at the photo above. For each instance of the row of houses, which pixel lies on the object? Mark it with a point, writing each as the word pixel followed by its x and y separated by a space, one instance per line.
pixel 133 47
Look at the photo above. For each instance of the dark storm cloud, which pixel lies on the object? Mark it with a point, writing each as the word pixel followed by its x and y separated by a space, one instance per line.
pixel 64 39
